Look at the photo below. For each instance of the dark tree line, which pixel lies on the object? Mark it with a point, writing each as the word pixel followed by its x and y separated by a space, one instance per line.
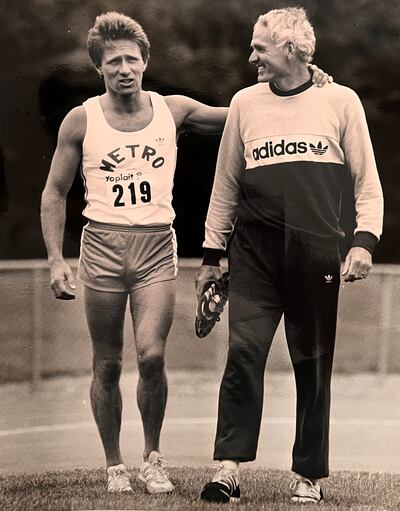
pixel 199 48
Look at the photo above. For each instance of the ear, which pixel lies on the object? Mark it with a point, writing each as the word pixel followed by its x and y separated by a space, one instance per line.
pixel 99 71
pixel 290 49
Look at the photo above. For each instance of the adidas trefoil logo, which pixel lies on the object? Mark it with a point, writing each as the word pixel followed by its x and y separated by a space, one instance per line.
pixel 328 279
pixel 318 149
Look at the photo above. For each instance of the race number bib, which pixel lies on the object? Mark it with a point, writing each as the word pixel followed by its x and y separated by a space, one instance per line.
pixel 130 190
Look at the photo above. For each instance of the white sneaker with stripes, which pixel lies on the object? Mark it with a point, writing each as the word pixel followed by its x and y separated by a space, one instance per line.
pixel 306 491
pixel 118 479
pixel 154 475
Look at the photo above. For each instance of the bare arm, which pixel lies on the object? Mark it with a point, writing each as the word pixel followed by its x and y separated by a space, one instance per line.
pixel 191 115
pixel 63 168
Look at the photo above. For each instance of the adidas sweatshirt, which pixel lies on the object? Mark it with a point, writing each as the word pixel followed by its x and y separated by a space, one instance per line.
pixel 283 160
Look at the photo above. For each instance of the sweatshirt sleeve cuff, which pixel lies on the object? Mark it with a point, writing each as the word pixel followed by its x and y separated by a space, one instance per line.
pixel 365 240
pixel 212 256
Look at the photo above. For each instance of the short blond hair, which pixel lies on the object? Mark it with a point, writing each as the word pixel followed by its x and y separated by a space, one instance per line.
pixel 112 26
pixel 291 24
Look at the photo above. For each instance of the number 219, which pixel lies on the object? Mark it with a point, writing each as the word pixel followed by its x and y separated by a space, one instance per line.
pixel 144 188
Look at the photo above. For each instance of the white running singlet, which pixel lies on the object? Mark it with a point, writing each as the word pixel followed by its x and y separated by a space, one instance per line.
pixel 128 176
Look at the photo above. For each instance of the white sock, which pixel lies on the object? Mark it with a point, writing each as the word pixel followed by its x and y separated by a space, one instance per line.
pixel 231 465
pixel 315 481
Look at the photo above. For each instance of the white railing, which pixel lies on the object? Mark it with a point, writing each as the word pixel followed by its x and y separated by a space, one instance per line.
pixel 45 336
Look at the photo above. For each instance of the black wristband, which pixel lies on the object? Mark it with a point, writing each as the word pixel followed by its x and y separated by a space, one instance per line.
pixel 365 240
pixel 212 256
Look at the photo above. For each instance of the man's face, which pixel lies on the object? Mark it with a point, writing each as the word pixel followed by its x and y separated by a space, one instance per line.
pixel 271 61
pixel 122 67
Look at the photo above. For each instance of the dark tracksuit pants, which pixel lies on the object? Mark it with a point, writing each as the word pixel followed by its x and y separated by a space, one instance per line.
pixel 275 272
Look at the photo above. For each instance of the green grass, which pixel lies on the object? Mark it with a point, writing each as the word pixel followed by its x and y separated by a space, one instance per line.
pixel 261 490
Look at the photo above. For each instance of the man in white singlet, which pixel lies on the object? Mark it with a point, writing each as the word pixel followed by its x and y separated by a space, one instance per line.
pixel 125 142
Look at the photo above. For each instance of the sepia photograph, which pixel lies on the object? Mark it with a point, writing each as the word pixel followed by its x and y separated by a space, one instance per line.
pixel 199 255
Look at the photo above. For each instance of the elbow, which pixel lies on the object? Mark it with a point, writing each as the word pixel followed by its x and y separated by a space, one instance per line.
pixel 45 199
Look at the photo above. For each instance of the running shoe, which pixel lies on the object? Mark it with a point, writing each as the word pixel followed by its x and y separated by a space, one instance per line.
pixel 210 306
pixel 305 491
pixel 118 479
pixel 153 473
pixel 224 487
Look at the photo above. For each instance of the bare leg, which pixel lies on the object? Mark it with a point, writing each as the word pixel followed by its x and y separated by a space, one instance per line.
pixel 105 314
pixel 152 310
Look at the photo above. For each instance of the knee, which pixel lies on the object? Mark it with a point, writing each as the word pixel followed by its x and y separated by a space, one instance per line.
pixel 243 353
pixel 246 361
pixel 151 365
pixel 108 371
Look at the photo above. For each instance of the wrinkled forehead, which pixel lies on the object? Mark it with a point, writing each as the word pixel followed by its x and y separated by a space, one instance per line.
pixel 121 47
pixel 261 35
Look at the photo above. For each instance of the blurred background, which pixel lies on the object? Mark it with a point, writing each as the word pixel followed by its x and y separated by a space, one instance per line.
pixel 199 48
